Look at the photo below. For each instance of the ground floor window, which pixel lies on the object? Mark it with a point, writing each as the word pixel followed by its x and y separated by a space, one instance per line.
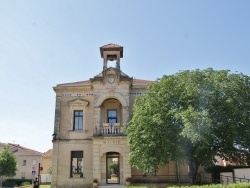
pixel 76 163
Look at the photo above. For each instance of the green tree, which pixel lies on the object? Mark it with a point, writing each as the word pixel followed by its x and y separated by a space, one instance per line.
pixel 8 165
pixel 50 170
pixel 191 117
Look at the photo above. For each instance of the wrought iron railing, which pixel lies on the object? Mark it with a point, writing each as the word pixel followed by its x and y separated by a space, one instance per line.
pixel 225 180
pixel 109 130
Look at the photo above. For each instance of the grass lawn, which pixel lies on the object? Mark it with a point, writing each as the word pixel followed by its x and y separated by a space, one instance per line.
pixel 41 186
pixel 48 186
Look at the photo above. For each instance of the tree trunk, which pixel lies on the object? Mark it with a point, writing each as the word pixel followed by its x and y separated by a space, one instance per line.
pixel 193 170
pixel 1 181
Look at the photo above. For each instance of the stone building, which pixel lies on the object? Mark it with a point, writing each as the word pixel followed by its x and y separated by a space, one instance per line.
pixel 89 141
pixel 46 164
pixel 27 160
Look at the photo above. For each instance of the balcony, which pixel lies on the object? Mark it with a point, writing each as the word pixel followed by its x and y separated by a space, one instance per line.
pixel 109 130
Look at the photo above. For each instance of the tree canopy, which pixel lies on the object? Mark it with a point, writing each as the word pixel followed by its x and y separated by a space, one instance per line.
pixel 8 164
pixel 191 117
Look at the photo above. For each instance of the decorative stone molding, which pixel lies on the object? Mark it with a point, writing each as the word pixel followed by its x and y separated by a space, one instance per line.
pixel 114 148
pixel 78 102
pixel 105 96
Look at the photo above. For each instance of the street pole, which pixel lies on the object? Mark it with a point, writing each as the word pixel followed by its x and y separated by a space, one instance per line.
pixel 39 176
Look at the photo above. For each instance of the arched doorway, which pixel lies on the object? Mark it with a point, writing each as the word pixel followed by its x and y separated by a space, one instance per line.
pixel 112 168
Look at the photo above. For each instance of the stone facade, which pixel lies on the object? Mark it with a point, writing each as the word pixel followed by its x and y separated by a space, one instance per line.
pixel 89 139
pixel 27 160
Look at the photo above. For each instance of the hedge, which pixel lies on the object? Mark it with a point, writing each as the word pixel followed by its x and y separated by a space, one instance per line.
pixel 16 182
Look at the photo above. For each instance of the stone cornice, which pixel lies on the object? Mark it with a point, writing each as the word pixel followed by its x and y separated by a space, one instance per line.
pixel 60 89
pixel 78 102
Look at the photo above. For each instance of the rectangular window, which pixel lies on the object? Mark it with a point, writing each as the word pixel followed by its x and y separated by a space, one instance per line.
pixel 24 162
pixel 78 120
pixel 76 163
pixel 112 116
pixel 23 175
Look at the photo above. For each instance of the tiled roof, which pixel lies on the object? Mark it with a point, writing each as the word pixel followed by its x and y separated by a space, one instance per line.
pixel 48 153
pixel 140 81
pixel 111 45
pixel 111 68
pixel 85 82
pixel 19 150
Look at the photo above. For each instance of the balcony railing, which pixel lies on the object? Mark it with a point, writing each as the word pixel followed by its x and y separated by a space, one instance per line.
pixel 109 130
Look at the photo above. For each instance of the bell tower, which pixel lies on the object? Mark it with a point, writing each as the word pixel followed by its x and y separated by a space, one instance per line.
pixel 111 52
pixel 111 73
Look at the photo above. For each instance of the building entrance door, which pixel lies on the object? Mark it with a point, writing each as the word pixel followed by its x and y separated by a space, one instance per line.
pixel 112 168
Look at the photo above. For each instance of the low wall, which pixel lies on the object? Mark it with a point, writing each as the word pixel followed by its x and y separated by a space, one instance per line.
pixel 45 178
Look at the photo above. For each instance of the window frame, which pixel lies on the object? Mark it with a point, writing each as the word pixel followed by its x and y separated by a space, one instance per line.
pixel 77 105
pixel 79 156
pixel 24 162
pixel 110 117
pixel 23 175
pixel 76 125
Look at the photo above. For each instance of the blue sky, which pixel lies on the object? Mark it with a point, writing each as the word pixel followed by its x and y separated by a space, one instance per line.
pixel 47 42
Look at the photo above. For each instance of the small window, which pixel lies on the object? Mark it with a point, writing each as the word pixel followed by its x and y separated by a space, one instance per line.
pixel 76 163
pixel 23 175
pixel 112 117
pixel 78 120
pixel 24 162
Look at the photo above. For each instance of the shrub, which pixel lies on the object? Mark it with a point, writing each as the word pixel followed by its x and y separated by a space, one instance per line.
pixel 233 185
pixel 95 181
pixel 128 179
pixel 25 183
pixel 13 182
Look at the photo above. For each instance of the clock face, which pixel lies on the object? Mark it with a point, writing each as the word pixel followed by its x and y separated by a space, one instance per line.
pixel 111 79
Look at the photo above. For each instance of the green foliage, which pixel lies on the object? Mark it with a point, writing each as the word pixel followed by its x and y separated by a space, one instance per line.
pixel 18 182
pixel 233 185
pixel 50 170
pixel 8 164
pixel 25 183
pixel 128 179
pixel 44 186
pixel 191 117
pixel 201 186
pixel 114 166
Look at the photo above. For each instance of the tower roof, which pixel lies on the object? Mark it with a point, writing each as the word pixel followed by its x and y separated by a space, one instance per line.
pixel 111 47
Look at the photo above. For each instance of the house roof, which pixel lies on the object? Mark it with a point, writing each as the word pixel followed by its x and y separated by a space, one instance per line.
pixel 80 83
pixel 47 154
pixel 140 81
pixel 19 150
pixel 109 69
pixel 111 47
